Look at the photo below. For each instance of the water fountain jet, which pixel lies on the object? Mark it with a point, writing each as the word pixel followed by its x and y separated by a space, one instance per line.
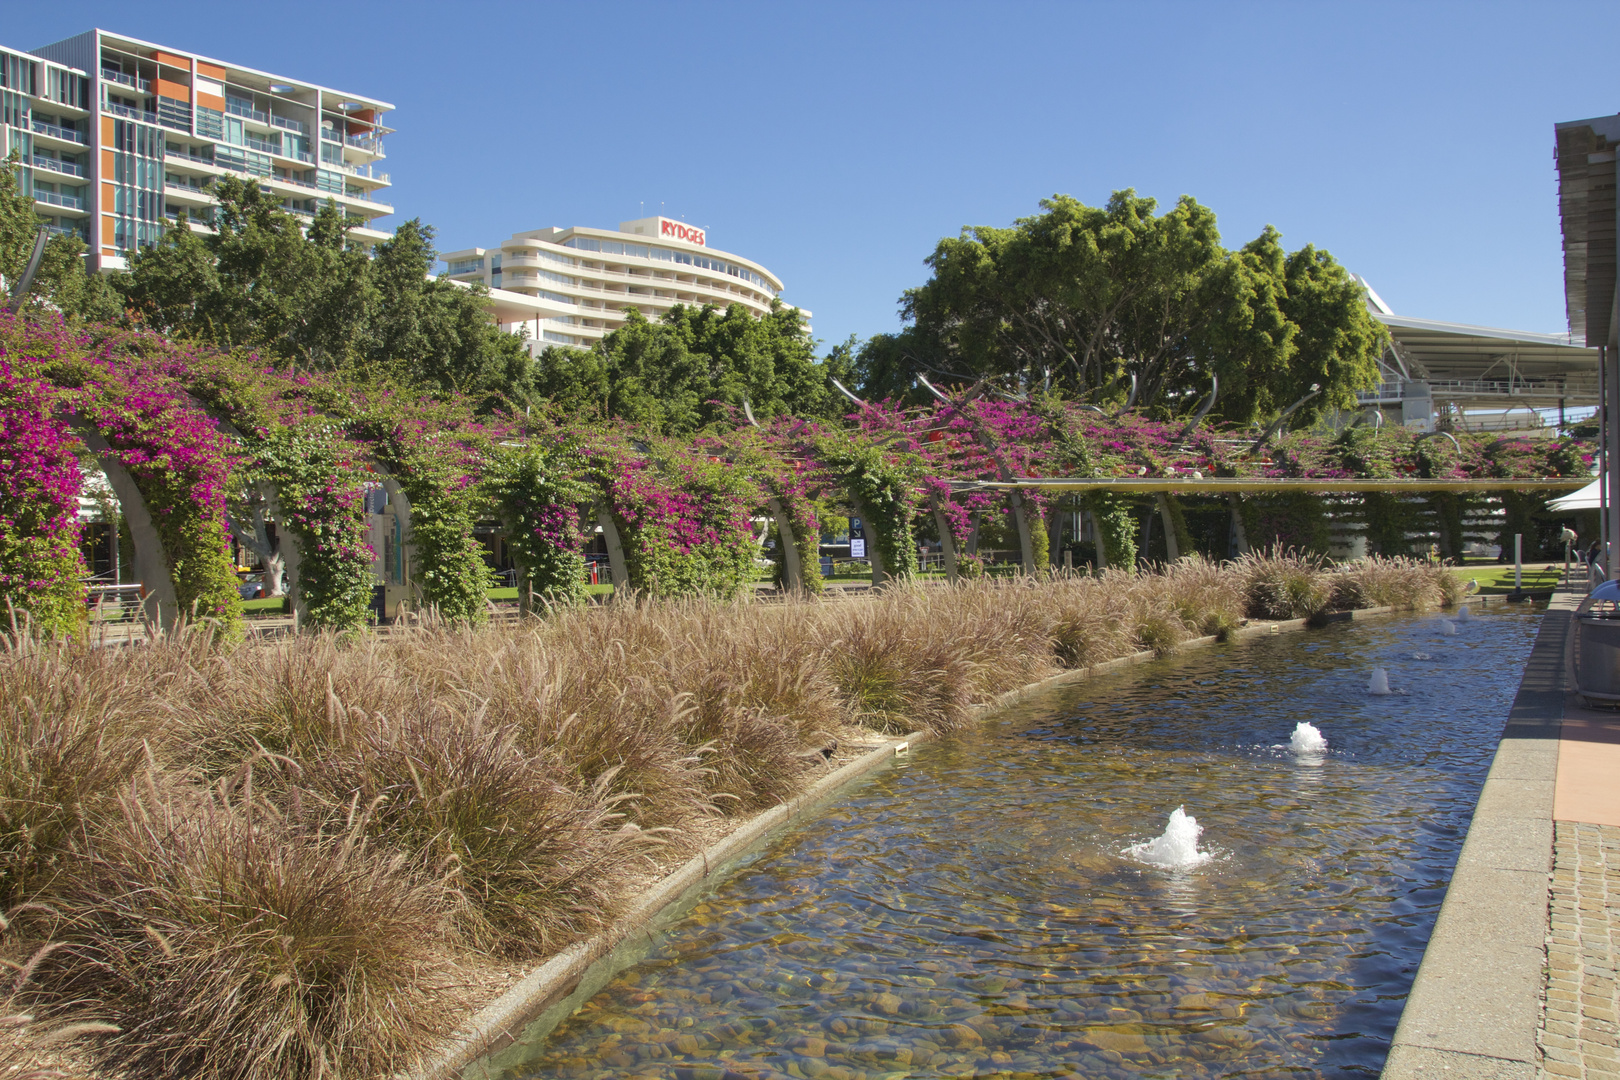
pixel 1380 683
pixel 1177 847
pixel 1448 628
pixel 1308 739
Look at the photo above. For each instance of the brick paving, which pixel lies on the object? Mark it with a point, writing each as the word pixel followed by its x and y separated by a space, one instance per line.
pixel 1578 1034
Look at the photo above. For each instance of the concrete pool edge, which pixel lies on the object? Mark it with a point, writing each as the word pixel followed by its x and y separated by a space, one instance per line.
pixel 505 1020
pixel 1475 1003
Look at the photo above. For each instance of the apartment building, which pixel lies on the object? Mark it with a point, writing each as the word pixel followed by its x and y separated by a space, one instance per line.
pixel 44 110
pixel 117 136
pixel 590 276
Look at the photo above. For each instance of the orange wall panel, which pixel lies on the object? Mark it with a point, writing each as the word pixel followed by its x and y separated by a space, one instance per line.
pixel 107 202
pixel 106 129
pixel 211 101
pixel 211 71
pixel 177 91
pixel 172 60
pixel 107 170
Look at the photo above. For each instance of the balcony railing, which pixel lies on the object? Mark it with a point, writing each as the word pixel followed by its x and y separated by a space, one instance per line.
pixel 263 146
pixel 291 125
pixel 64 230
pixel 190 157
pixel 55 165
pixel 127 80
pixel 236 108
pixel 58 132
pixel 130 114
pixel 192 189
pixel 72 202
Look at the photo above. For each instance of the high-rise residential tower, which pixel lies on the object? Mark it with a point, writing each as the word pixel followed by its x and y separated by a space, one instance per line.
pixel 117 136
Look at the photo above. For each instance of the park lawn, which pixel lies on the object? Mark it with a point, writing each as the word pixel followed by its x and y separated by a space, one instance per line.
pixel 1497 578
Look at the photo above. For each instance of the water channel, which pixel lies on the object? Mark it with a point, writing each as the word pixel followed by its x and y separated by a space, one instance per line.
pixel 980 911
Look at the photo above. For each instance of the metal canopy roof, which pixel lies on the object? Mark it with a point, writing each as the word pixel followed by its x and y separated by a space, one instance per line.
pixel 1484 365
pixel 1585 153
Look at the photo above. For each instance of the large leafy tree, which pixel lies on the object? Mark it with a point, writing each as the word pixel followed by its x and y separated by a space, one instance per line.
pixel 313 299
pixel 61 281
pixel 1081 298
pixel 680 374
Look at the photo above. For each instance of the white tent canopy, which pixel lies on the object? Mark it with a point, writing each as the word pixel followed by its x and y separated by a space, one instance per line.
pixel 1584 499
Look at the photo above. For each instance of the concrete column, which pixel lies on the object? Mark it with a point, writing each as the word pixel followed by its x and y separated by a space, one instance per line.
pixel 1237 524
pixel 1026 543
pixel 402 510
pixel 947 543
pixel 1172 547
pixel 880 572
pixel 616 563
pixel 792 568
pixel 158 599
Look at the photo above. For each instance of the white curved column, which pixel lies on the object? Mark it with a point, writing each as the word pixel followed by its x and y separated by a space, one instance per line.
pixel 158 600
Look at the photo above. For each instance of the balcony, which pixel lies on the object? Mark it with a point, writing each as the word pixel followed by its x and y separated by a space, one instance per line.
pixel 71 202
pixel 64 230
pixel 130 81
pixel 66 168
pixel 291 125
pixel 248 112
pixel 65 134
pixel 261 145
pixel 130 114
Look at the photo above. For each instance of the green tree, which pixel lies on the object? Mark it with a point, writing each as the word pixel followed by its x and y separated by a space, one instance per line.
pixel 314 299
pixel 62 281
pixel 1081 298
pixel 680 374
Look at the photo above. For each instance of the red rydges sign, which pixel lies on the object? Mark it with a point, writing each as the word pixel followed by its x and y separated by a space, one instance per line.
pixel 675 230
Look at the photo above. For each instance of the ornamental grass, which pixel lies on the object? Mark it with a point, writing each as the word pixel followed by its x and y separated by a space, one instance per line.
pixel 295 859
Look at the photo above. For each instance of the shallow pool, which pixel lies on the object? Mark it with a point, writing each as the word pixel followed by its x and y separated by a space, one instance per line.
pixel 976 912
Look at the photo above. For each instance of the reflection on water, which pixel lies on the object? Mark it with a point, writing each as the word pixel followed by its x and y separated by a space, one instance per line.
pixel 979 912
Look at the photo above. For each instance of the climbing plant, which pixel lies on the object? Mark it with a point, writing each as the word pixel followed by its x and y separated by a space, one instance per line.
pixel 40 563
pixel 885 486
pixel 430 452
pixel 682 517
pixel 537 489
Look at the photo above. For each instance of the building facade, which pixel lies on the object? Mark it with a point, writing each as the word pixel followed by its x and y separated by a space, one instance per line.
pixel 118 136
pixel 590 276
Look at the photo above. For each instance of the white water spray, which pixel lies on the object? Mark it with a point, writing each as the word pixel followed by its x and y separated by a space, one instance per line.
pixel 1308 739
pixel 1465 614
pixel 1448 628
pixel 1177 847
pixel 1380 682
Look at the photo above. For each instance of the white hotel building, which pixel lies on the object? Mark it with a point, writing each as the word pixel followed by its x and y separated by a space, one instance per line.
pixel 582 280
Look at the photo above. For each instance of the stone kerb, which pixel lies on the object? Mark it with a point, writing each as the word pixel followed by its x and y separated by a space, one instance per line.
pixel 1476 1000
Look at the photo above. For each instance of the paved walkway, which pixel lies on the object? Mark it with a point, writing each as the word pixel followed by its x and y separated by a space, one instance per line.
pixel 1578 1033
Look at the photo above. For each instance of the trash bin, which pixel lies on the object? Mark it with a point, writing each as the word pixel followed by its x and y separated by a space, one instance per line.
pixel 1595 658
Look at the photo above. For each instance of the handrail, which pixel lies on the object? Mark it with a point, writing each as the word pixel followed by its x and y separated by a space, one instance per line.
pixel 52 130
pixel 129 113
pixel 56 165
pixel 291 125
pixel 56 199
pixel 133 81
pixel 247 112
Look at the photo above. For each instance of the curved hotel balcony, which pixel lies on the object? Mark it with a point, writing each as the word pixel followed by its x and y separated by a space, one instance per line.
pixel 593 275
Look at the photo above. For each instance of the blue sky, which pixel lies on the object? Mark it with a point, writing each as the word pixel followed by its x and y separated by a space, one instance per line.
pixel 837 143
